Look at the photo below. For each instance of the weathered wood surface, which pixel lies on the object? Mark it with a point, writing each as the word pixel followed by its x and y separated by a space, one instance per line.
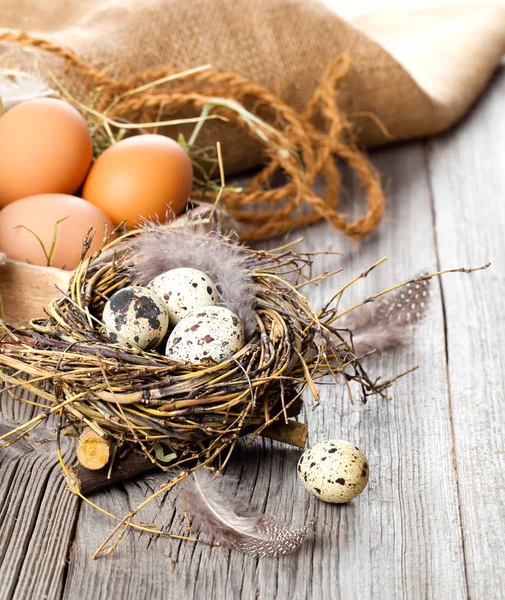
pixel 37 513
pixel 431 523
pixel 468 180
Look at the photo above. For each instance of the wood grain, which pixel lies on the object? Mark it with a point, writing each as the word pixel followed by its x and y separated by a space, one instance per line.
pixel 37 512
pixel 467 177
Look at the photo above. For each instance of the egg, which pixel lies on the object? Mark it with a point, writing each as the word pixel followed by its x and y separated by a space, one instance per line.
pixel 334 471
pixel 49 229
pixel 184 290
pixel 135 316
pixel 212 333
pixel 45 147
pixel 142 177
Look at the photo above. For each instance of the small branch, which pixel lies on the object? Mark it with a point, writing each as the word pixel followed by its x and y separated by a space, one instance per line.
pixel 93 451
pixel 293 433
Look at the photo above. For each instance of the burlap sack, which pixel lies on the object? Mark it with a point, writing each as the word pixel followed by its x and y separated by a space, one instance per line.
pixel 444 57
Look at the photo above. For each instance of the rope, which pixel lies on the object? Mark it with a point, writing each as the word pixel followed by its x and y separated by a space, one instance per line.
pixel 301 146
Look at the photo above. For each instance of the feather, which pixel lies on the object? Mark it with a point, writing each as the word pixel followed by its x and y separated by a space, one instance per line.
pixel 380 338
pixel 160 249
pixel 18 86
pixel 384 324
pixel 221 517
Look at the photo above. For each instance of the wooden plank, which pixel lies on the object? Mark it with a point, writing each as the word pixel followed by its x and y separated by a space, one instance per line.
pixel 37 513
pixel 401 538
pixel 467 174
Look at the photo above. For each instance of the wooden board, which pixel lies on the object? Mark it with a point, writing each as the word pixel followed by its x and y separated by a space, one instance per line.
pixel 430 524
pixel 468 167
pixel 37 512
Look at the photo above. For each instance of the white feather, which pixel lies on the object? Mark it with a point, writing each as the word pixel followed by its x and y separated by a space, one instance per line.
pixel 18 86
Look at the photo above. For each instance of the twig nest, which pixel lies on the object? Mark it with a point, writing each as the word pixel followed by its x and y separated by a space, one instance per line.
pixel 184 290
pixel 213 333
pixel 334 471
pixel 135 316
pixel 240 384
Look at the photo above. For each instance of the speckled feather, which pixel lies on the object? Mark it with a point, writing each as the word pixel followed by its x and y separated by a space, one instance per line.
pixel 385 323
pixel 160 249
pixel 221 517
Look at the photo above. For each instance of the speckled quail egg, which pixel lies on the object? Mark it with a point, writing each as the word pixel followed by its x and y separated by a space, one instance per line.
pixel 135 316
pixel 213 332
pixel 183 291
pixel 334 471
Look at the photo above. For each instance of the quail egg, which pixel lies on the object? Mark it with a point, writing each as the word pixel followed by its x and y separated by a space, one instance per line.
pixel 334 471
pixel 135 316
pixel 213 332
pixel 184 290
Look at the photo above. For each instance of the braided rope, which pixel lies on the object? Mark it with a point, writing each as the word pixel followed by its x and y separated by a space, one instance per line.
pixel 310 150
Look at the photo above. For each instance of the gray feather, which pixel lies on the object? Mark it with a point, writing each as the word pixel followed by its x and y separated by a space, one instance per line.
pixel 221 517
pixel 384 323
pixel 160 249
pixel 380 338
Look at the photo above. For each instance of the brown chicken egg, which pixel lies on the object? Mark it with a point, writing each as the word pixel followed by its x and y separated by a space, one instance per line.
pixel 142 177
pixel 49 229
pixel 45 147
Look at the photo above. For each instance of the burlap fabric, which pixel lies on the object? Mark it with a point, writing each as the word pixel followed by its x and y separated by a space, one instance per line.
pixel 448 54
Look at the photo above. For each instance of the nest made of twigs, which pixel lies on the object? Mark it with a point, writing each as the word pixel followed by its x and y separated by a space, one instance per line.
pixel 173 412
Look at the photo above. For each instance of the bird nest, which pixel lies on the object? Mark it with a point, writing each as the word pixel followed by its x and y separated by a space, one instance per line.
pixel 176 413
